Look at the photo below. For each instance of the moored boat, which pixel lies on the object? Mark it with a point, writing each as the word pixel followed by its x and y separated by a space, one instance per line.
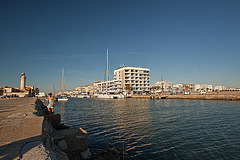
pixel 83 96
pixel 63 98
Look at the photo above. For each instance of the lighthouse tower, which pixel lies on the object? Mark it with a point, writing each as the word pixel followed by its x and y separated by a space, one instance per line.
pixel 23 81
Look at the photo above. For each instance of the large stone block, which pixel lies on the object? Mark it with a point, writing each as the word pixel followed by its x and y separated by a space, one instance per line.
pixel 47 132
pixel 54 119
pixel 76 138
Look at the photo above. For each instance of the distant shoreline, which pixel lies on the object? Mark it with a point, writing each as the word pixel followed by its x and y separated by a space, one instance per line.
pixel 227 96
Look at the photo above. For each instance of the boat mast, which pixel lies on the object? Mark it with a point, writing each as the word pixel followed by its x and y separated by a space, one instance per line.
pixel 107 74
pixel 63 82
pixel 53 89
pixel 107 66
pixel 162 84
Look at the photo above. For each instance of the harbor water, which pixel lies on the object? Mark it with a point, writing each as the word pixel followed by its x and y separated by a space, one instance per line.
pixel 158 129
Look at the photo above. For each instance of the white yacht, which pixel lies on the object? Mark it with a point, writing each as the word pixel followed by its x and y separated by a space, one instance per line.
pixel 83 95
pixel 110 96
pixel 63 98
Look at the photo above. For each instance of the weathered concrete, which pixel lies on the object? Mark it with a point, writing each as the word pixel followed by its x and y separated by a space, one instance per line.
pixel 21 130
pixel 19 125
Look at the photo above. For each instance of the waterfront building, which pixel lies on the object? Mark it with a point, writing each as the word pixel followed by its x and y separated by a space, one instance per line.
pixel 203 87
pixel 112 87
pixel 14 92
pixel 233 89
pixel 90 89
pixel 164 86
pixel 94 88
pixel 177 88
pixel 23 81
pixel 219 88
pixel 85 89
pixel 135 79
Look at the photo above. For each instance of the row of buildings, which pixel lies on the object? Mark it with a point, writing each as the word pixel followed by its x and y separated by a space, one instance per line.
pixel 136 80
pixel 170 88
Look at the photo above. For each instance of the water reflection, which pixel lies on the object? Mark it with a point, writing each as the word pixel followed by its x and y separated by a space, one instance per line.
pixel 62 107
pixel 158 129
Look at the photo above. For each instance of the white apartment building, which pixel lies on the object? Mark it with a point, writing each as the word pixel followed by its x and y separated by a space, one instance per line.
pixel 177 88
pixel 203 87
pixel 219 88
pixel 165 86
pixel 138 79
pixel 89 89
pixel 114 87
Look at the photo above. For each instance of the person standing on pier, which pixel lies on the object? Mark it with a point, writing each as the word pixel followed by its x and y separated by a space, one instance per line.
pixel 50 103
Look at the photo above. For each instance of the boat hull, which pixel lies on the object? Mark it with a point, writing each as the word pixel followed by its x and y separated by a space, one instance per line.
pixel 106 96
pixel 62 99
pixel 83 96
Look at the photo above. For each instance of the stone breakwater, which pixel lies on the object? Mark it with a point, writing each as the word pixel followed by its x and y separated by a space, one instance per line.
pixel 28 132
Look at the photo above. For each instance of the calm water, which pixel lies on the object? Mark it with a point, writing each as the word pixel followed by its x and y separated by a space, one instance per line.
pixel 158 129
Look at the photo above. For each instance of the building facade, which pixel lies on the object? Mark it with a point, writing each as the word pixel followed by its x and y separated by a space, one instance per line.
pixel 203 87
pixel 164 86
pixel 135 79
pixel 111 87
pixel 220 88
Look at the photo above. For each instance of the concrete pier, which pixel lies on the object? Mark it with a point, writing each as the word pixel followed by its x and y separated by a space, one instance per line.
pixel 19 126
pixel 28 132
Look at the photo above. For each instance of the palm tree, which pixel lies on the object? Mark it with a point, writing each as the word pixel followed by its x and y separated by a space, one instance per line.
pixel 177 89
pixel 207 89
pixel 128 88
pixel 169 88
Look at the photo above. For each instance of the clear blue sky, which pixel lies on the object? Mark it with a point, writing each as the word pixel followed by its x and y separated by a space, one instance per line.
pixel 169 37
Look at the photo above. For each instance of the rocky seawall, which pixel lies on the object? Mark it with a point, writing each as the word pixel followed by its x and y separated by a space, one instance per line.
pixel 27 131
pixel 60 138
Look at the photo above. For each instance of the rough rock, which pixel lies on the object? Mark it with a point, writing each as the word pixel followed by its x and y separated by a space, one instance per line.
pixel 86 154
pixel 62 145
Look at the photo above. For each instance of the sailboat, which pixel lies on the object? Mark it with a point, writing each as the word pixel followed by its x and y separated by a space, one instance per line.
pixel 106 94
pixel 83 94
pixel 63 97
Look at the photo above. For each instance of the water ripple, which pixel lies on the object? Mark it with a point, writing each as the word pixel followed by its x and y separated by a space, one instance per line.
pixel 158 129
